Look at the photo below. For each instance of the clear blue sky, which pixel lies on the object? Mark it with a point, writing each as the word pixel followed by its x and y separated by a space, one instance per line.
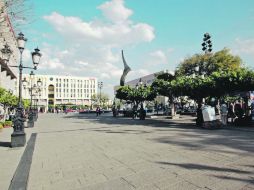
pixel 174 29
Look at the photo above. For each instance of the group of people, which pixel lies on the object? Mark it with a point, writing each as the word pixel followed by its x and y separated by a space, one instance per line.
pixel 232 111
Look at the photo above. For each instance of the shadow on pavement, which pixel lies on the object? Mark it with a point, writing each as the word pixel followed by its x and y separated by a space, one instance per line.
pixel 5 144
pixel 205 167
pixel 188 135
pixel 250 180
pixel 120 121
pixel 212 140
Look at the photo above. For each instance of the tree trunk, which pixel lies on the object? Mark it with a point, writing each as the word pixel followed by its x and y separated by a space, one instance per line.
pixel 172 106
pixel 246 107
pixel 173 112
pixel 218 106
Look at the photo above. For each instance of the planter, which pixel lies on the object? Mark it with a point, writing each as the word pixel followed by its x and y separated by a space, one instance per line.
pixel 7 126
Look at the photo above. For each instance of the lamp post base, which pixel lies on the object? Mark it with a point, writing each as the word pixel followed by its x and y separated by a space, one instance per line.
pixel 18 139
pixel 30 124
pixel 35 116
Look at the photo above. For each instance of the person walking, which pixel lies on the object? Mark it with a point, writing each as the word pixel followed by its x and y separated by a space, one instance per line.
pixel 97 111
pixel 231 112
pixel 224 113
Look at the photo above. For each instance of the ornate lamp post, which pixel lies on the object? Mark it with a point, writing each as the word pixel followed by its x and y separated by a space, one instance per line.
pixel 100 86
pixel 207 43
pixel 32 116
pixel 207 48
pixel 18 137
pixel 37 93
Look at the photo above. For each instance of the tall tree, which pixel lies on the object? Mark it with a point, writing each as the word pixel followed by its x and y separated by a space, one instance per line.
pixel 162 86
pixel 135 95
pixel 208 63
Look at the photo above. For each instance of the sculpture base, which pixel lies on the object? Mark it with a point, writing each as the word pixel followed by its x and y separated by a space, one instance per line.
pixel 18 139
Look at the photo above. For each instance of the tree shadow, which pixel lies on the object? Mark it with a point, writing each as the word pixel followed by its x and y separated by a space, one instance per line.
pixel 5 144
pixel 122 121
pixel 205 167
pixel 249 181
pixel 232 139
pixel 188 135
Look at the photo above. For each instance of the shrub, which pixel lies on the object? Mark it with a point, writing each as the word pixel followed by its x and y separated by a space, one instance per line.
pixel 1 126
pixel 8 123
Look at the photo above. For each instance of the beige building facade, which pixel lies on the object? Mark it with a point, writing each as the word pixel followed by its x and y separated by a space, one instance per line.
pixel 61 90
pixel 8 74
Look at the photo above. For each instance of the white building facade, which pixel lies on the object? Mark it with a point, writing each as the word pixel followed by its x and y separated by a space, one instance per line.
pixel 8 74
pixel 61 90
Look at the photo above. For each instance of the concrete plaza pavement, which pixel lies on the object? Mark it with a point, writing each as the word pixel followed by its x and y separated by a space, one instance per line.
pixel 87 152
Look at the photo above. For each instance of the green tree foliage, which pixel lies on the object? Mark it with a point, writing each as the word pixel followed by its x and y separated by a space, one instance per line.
pixel 163 86
pixel 102 98
pixel 7 99
pixel 208 63
pixel 217 84
pixel 26 103
pixel 135 95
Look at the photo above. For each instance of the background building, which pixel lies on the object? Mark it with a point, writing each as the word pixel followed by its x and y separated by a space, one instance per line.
pixel 60 90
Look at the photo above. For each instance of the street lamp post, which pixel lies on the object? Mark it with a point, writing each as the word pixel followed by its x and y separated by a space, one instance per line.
pixel 100 86
pixel 38 94
pixel 18 137
pixel 30 122
pixel 207 48
pixel 207 43
pixel 32 116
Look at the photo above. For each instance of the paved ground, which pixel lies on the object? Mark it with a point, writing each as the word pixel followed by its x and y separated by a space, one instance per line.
pixel 85 152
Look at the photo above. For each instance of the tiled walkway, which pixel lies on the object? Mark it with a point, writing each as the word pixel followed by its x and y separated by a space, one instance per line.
pixel 86 152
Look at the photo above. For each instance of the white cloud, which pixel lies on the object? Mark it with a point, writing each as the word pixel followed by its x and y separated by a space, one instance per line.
pixel 158 57
pixel 27 56
pixel 54 63
pixel 114 35
pixel 93 48
pixel 81 63
pixel 138 73
pixel 244 46
pixel 105 76
pixel 115 11
pixel 113 70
